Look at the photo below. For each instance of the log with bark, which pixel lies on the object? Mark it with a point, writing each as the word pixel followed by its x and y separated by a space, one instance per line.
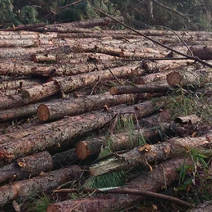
pixel 26 189
pixel 147 154
pixel 163 174
pixel 186 78
pixel 120 141
pixel 59 109
pixel 204 52
pixel 162 87
pixel 26 167
pixel 71 83
pixel 58 132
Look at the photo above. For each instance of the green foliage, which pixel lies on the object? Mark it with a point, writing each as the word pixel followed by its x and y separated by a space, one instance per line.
pixel 41 204
pixel 192 181
pixel 189 15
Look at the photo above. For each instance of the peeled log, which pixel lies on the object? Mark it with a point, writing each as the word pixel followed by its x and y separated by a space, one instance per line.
pixel 25 189
pixel 26 167
pixel 151 181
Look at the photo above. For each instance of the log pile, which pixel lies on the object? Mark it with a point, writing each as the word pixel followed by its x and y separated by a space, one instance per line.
pixel 62 84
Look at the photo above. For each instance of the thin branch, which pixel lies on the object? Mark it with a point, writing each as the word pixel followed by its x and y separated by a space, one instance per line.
pixel 139 33
pixel 131 192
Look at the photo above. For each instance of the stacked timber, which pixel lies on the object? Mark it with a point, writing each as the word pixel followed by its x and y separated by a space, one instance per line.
pixel 62 83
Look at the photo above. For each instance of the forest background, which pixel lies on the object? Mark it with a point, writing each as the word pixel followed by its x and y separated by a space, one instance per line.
pixel 141 14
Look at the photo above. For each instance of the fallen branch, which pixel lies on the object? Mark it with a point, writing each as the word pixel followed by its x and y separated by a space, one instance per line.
pixel 131 192
pixel 151 181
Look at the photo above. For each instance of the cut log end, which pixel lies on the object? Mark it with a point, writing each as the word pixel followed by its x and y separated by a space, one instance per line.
pixel 174 79
pixel 82 150
pixel 43 112
pixel 25 96
pixel 113 91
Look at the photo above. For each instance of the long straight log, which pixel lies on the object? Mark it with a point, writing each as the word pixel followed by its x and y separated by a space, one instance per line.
pixel 120 141
pixel 146 154
pixel 151 181
pixel 61 108
pixel 25 189
pixel 73 82
pixel 18 112
pixel 154 88
pixel 54 133
pixel 26 167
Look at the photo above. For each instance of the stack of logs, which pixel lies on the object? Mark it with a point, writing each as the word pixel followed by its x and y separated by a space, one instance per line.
pixel 50 77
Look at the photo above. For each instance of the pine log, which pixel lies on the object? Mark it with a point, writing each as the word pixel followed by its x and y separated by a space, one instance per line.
pixel 26 35
pixel 120 141
pixel 154 88
pixel 203 53
pixel 103 21
pixel 151 181
pixel 142 109
pixel 26 69
pixel 69 84
pixel 26 167
pixel 61 108
pixel 186 78
pixel 25 189
pixel 18 84
pixel 165 65
pixel 54 133
pixel 18 112
pixel 25 27
pixel 66 158
pixel 10 101
pixel 147 154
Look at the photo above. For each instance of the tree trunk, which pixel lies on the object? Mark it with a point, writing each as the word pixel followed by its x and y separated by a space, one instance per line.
pixel 147 154
pixel 120 141
pixel 61 108
pixel 78 81
pixel 26 167
pixel 185 78
pixel 54 133
pixel 128 89
pixel 151 181
pixel 25 189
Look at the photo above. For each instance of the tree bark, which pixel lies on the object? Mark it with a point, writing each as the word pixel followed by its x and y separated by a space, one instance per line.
pixel 120 141
pixel 147 154
pixel 25 189
pixel 204 53
pixel 73 82
pixel 151 181
pixel 159 88
pixel 18 112
pixel 185 78
pixel 26 167
pixel 61 108
pixel 54 133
